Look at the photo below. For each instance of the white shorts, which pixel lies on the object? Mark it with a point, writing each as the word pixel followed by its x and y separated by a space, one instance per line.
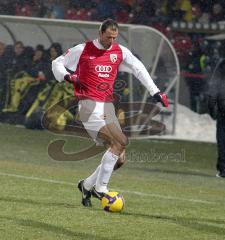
pixel 95 115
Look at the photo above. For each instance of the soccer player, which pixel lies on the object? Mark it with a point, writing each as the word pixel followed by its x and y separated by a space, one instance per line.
pixel 96 64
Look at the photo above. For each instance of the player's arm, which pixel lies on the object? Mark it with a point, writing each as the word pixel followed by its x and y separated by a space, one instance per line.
pixel 65 62
pixel 133 65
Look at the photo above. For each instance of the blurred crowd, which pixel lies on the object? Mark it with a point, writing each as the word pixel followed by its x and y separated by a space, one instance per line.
pixel 27 85
pixel 126 11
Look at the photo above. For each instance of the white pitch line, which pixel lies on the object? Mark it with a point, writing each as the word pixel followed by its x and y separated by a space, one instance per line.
pixel 36 179
pixel 170 197
pixel 121 190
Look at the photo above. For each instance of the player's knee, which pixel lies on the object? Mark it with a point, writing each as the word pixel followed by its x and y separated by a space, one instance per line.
pixel 122 144
pixel 124 141
pixel 117 148
pixel 120 148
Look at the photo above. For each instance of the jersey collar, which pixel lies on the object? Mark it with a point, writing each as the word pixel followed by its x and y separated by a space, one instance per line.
pixel 99 45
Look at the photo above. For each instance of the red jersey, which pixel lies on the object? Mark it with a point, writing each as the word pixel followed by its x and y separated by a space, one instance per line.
pixel 97 68
pixel 97 71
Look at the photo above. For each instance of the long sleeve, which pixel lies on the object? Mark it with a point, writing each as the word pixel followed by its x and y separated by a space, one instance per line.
pixel 132 65
pixel 69 61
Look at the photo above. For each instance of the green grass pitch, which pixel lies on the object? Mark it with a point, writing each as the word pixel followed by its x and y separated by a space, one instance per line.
pixel 170 190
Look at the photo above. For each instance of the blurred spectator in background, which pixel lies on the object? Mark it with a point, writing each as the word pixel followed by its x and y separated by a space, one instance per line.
pixel 217 13
pixel 24 8
pixel 49 95
pixel 182 43
pixel 216 106
pixel 76 11
pixel 2 58
pixel 40 66
pixel 206 5
pixel 165 12
pixel 2 74
pixel 195 78
pixel 206 59
pixel 198 15
pixel 37 8
pixel 144 12
pixel 183 10
pixel 105 9
pixel 123 13
pixel 215 53
pixel 19 61
pixel 38 70
pixel 54 51
pixel 53 9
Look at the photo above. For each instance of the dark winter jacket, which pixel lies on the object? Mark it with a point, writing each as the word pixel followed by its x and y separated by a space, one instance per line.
pixel 216 95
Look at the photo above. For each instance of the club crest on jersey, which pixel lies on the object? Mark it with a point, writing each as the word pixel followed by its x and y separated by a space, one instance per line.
pixel 113 58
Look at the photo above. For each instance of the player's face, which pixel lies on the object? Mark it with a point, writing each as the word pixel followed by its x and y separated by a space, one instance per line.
pixel 108 37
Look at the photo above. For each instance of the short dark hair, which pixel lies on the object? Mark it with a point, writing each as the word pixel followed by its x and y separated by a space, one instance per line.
pixel 109 23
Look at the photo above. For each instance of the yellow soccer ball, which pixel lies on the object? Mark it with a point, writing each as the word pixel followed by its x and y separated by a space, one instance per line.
pixel 112 202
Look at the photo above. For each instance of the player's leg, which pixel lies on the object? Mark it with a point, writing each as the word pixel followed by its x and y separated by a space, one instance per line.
pixel 87 108
pixel 117 141
pixel 91 180
pixel 91 116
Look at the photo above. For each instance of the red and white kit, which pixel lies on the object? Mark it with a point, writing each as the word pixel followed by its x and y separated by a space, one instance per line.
pixel 97 70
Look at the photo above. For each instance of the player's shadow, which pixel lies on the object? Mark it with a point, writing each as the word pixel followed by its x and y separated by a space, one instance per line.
pixel 199 224
pixel 52 228
pixel 34 202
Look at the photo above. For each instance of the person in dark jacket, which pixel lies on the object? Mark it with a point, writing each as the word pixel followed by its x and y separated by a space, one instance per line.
pixel 216 106
pixel 3 79
pixel 38 71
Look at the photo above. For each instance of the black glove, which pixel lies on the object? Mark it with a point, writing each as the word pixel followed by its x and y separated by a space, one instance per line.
pixel 71 78
pixel 162 98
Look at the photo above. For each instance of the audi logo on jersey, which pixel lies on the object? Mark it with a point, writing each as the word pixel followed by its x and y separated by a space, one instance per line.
pixel 103 69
